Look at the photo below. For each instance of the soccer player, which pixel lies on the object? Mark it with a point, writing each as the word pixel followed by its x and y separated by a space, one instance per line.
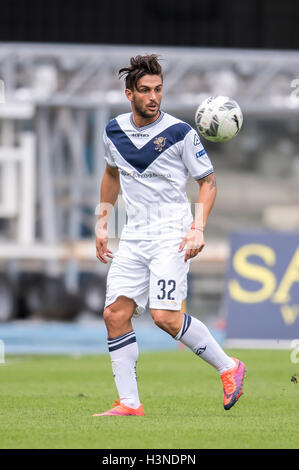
pixel 149 155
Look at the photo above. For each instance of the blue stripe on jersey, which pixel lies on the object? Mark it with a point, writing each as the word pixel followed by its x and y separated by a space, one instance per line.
pixel 122 344
pixel 140 159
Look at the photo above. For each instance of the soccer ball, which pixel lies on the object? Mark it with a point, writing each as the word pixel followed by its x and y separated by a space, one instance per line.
pixel 218 118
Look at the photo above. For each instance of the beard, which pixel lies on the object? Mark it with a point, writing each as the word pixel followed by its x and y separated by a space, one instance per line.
pixel 144 112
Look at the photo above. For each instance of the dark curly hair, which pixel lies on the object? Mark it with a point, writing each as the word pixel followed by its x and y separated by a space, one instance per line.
pixel 140 66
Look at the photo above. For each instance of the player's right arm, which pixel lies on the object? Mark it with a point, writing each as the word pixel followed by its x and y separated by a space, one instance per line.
pixel 110 188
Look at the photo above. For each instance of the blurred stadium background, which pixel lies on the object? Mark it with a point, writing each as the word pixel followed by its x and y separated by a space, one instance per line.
pixel 59 88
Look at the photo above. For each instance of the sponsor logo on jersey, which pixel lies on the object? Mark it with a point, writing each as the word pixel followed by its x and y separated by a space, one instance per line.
pixel 149 174
pixel 200 153
pixel 196 140
pixel 139 134
pixel 160 143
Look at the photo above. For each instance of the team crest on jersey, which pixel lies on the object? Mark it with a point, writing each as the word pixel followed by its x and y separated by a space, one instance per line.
pixel 160 143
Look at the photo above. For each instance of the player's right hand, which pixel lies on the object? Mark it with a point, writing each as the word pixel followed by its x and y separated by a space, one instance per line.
pixel 102 251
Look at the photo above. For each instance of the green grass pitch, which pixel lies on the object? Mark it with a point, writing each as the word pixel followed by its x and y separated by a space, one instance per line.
pixel 47 402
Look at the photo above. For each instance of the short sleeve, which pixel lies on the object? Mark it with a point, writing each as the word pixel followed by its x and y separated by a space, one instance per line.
pixel 195 157
pixel 108 156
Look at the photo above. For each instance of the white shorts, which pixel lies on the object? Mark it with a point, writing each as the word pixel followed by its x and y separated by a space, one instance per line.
pixel 149 270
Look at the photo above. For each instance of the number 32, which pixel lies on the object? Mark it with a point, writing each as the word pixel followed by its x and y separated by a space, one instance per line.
pixel 162 283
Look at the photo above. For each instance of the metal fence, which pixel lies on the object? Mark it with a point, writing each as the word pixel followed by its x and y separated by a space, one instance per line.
pixel 56 101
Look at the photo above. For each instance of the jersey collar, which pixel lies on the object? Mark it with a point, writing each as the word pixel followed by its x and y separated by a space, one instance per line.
pixel 149 125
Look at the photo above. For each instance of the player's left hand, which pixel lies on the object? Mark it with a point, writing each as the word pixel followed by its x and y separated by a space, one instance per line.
pixel 194 242
pixel 102 251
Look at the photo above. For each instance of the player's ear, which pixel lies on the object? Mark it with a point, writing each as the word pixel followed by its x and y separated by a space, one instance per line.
pixel 129 94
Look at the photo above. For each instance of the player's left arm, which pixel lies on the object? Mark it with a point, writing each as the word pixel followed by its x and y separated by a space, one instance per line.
pixel 194 239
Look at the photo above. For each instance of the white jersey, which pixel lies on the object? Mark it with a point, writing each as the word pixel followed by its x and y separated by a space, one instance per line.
pixel 154 162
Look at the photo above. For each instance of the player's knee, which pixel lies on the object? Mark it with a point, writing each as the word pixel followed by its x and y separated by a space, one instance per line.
pixel 112 316
pixel 161 319
pixel 115 317
pixel 168 320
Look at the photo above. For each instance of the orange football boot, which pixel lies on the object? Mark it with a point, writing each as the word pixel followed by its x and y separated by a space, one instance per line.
pixel 232 381
pixel 122 410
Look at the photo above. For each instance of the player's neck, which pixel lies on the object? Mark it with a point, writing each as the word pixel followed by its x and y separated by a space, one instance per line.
pixel 140 121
